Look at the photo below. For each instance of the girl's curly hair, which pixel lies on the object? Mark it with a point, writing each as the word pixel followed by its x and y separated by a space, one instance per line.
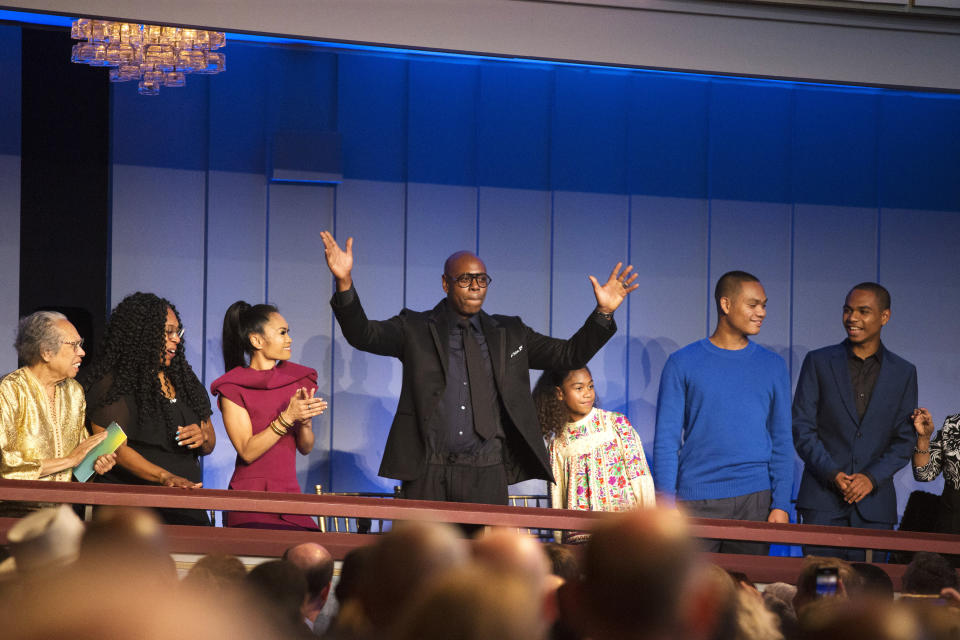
pixel 132 355
pixel 551 411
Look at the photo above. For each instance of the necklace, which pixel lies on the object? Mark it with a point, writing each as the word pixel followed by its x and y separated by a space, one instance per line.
pixel 167 388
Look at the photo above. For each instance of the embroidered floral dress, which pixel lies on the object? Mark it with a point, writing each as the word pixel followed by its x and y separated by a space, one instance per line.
pixel 945 457
pixel 598 465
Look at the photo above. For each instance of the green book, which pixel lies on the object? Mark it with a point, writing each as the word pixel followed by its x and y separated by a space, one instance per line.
pixel 115 438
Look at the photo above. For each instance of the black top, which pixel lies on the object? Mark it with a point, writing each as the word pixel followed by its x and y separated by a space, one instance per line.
pixel 863 376
pixel 151 435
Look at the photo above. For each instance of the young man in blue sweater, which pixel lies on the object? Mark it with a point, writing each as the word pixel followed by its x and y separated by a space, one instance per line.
pixel 723 444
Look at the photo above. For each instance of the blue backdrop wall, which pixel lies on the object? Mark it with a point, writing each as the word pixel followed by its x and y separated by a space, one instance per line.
pixel 550 173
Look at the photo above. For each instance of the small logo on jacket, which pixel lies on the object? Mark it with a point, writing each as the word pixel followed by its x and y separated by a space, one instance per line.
pixel 519 349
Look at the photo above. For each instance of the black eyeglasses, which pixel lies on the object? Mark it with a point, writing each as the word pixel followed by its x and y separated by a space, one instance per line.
pixel 464 279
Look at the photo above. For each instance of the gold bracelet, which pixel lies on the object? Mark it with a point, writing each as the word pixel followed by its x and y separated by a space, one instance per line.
pixel 283 422
pixel 277 430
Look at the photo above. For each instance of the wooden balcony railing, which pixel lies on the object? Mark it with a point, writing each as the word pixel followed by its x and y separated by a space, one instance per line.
pixel 269 543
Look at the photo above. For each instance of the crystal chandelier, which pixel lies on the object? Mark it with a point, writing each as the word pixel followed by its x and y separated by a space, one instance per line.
pixel 156 55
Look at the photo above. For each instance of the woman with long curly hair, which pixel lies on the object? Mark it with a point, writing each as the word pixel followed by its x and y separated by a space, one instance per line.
pixel 141 380
pixel 267 404
pixel 596 456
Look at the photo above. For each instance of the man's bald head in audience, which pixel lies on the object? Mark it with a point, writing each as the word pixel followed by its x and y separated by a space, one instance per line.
pixel 317 565
pixel 507 550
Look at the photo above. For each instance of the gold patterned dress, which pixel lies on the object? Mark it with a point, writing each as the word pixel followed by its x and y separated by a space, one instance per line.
pixel 29 433
pixel 598 465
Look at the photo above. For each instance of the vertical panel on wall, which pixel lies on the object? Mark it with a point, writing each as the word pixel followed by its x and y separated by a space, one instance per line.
pixel 370 208
pixel 236 215
pixel 159 200
pixel 441 192
pixel 919 267
pixel 918 170
pixel 9 190
pixel 591 210
pixel 750 190
pixel 919 227
pixel 668 232
pixel 513 169
pixel 294 265
pixel 835 220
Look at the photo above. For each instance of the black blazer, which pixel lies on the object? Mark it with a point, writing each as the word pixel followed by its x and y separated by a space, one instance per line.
pixel 419 340
pixel 830 437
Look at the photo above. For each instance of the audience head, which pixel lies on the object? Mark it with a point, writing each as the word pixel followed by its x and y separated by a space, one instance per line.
pixel 465 294
pixel 244 329
pixel 754 620
pixel 474 603
pixel 282 587
pixel 44 541
pixel 717 591
pixel 563 562
pixel 562 396
pixel 120 599
pixel 317 565
pixel 865 619
pixel 354 564
pixel 743 581
pixel 928 573
pixel 47 339
pixel 509 552
pixel 638 571
pixel 778 598
pixel 402 562
pixel 874 581
pixel 216 572
pixel 847 580
pixel 131 536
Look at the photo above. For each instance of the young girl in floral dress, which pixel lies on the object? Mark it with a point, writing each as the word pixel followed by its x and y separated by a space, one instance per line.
pixel 597 458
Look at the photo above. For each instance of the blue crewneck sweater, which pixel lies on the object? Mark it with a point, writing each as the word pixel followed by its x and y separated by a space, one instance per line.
pixel 723 424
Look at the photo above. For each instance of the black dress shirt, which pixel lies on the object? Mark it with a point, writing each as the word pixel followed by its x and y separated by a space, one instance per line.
pixel 456 410
pixel 863 376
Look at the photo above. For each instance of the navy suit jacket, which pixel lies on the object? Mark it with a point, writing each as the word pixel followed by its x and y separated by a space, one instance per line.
pixel 830 437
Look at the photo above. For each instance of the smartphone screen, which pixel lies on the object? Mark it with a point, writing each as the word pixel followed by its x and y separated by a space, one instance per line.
pixel 827 581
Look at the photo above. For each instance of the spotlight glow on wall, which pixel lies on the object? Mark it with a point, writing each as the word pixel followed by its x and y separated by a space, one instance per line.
pixel 156 55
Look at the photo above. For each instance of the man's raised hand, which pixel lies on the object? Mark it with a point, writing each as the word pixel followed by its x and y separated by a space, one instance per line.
pixel 615 289
pixel 339 261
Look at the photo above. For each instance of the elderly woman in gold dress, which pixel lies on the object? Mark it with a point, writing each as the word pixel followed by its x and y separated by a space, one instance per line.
pixel 42 407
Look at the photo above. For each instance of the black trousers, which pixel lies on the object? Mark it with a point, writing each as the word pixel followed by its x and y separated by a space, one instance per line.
pixel 457 481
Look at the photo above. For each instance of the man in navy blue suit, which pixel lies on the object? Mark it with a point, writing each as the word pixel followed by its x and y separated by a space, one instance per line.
pixel 851 423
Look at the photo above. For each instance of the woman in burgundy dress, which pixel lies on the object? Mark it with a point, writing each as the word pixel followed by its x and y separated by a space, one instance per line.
pixel 267 404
